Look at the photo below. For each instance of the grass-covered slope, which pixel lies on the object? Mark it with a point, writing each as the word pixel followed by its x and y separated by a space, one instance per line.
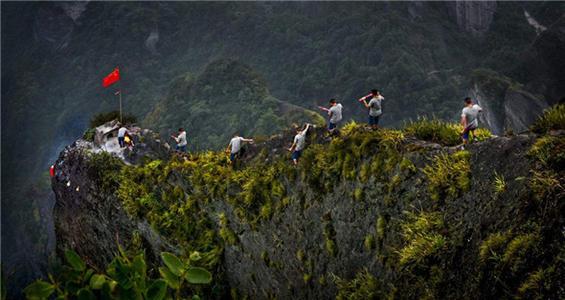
pixel 368 215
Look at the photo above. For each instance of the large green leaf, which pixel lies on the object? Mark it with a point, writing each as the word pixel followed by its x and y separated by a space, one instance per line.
pixel 39 290
pixel 74 260
pixel 86 294
pixel 196 275
pixel 96 281
pixel 157 290
pixel 171 279
pixel 139 265
pixel 173 263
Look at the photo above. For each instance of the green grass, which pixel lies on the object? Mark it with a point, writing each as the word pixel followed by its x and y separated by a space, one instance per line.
pixel 448 175
pixel 422 238
pixel 363 286
pixel 553 118
pixel 441 132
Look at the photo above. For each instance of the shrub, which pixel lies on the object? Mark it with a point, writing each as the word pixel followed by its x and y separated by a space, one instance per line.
pixel 448 175
pixel 104 168
pixel 549 152
pixel 103 118
pixel 492 246
pixel 125 277
pixel 422 237
pixel 363 286
pixel 441 132
pixel 89 134
pixel 499 184
pixel 553 118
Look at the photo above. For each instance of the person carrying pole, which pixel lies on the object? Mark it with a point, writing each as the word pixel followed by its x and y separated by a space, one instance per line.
pixel 374 106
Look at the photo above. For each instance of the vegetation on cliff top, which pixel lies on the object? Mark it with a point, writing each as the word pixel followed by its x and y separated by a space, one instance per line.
pixel 523 260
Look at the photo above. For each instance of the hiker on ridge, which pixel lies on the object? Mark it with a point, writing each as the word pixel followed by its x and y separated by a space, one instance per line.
pixel 180 139
pixel 374 106
pixel 234 147
pixel 121 136
pixel 469 119
pixel 298 143
pixel 334 114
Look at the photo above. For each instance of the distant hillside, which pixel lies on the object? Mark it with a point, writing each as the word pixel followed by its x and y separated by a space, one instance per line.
pixel 227 97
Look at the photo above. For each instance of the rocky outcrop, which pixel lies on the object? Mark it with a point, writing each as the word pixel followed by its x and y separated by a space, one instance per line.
pixel 88 217
pixel 473 17
pixel 323 233
pixel 506 105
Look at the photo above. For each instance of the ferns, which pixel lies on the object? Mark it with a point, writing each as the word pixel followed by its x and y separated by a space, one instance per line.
pixel 448 175
pixel 553 118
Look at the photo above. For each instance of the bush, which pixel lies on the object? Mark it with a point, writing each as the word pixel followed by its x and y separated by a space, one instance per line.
pixel 103 118
pixel 363 286
pixel 553 118
pixel 448 175
pixel 422 237
pixel 441 132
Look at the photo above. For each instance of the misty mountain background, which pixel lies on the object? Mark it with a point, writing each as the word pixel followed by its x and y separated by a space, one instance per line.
pixel 198 64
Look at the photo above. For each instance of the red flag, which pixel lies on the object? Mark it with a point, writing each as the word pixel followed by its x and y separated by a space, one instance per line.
pixel 111 78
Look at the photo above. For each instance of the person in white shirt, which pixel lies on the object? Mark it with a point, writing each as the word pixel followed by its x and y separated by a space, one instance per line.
pixel 234 147
pixel 334 113
pixel 121 136
pixel 180 139
pixel 469 119
pixel 298 143
pixel 374 106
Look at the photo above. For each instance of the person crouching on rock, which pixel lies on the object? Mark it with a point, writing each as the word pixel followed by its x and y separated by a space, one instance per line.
pixel 121 136
pixel 180 139
pixel 234 147
pixel 298 143
pixel 469 119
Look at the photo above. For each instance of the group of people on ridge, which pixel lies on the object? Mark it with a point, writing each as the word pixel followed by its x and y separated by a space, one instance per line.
pixel 372 102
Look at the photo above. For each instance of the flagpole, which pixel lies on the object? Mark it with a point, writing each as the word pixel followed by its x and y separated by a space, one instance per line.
pixel 121 121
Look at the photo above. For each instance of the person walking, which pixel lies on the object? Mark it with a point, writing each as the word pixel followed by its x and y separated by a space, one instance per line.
pixel 298 143
pixel 469 120
pixel 334 114
pixel 180 139
pixel 234 147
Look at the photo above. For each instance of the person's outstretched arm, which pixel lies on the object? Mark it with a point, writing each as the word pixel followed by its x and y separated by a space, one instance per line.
pixel 247 140
pixel 324 108
pixel 305 129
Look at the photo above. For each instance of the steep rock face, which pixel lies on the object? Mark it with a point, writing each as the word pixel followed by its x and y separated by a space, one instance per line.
pixel 473 17
pixel 88 216
pixel 521 109
pixel 506 105
pixel 325 232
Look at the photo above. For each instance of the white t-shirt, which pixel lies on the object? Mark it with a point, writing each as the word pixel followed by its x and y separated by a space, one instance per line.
pixel 122 132
pixel 336 113
pixel 181 139
pixel 299 140
pixel 235 144
pixel 375 108
pixel 471 114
